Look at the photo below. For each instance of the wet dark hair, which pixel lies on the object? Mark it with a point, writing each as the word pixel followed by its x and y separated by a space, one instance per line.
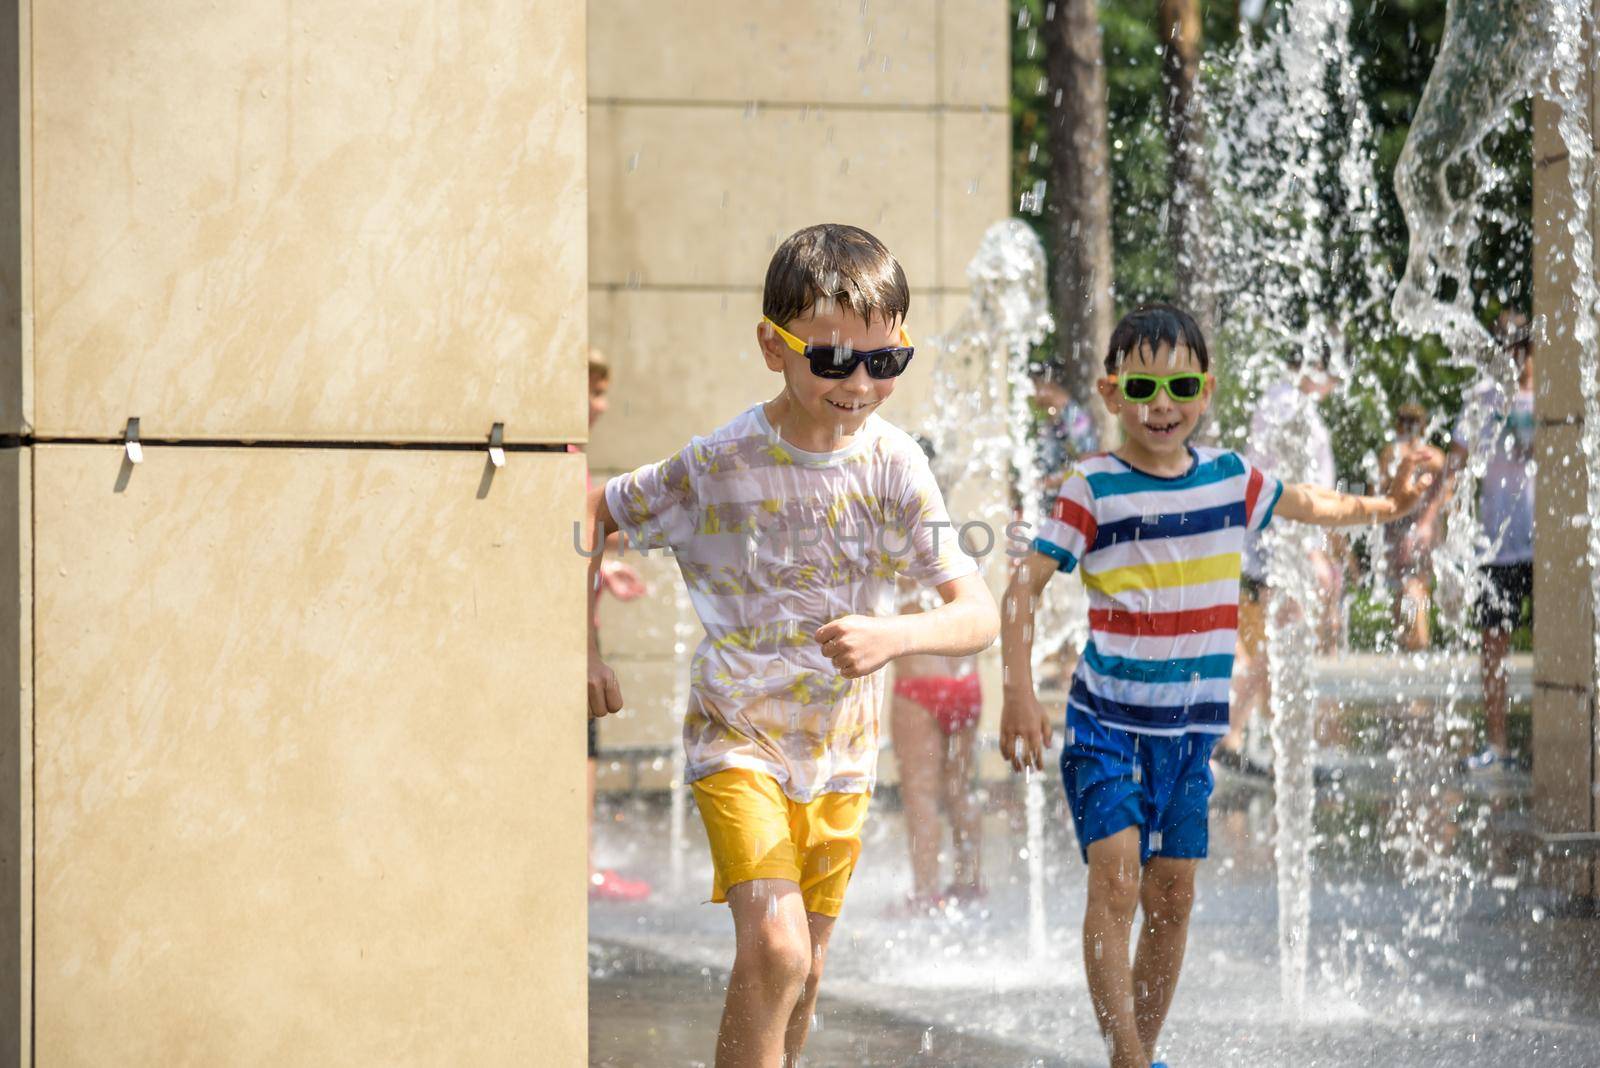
pixel 1154 325
pixel 838 262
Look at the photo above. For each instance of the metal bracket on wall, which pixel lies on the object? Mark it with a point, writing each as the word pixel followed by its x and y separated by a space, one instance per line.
pixel 130 442
pixel 497 445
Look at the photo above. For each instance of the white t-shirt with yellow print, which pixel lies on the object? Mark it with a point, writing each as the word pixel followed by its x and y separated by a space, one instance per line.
pixel 773 542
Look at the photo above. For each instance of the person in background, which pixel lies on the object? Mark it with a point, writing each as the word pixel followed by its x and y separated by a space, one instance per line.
pixel 1409 543
pixel 622 582
pixel 1505 514
pixel 1066 432
pixel 933 716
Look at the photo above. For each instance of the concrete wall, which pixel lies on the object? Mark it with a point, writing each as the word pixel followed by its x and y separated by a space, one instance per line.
pixel 275 782
pixel 344 221
pixel 1566 745
pixel 712 137
pixel 16 750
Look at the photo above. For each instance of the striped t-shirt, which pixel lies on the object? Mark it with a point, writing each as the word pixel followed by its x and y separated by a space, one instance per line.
pixel 1160 560
pixel 773 542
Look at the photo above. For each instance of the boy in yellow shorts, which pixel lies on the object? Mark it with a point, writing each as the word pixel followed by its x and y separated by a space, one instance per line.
pixel 791 525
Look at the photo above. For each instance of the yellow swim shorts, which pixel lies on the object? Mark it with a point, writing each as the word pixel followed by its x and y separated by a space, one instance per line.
pixel 757 832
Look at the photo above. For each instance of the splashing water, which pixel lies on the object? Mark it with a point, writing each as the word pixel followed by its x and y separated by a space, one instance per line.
pixel 1034 805
pixel 1296 274
pixel 984 452
pixel 1293 261
pixel 1573 25
pixel 980 430
pixel 1495 54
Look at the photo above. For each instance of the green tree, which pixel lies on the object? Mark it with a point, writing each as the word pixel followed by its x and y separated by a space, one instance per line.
pixel 1395 42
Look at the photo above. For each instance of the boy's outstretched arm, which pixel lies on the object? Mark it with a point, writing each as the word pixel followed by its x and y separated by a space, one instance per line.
pixel 605 696
pixel 1305 503
pixel 965 624
pixel 1025 730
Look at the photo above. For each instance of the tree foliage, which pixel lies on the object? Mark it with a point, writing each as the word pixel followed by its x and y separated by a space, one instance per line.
pixel 1396 41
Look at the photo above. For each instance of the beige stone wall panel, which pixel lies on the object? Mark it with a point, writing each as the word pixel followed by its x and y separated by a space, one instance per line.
pixel 685 364
pixel 16 757
pixel 700 196
pixel 652 715
pixel 308 771
pixel 975 180
pixel 975 53
pixel 1561 584
pixel 794 51
pixel 643 627
pixel 16 410
pixel 336 221
pixel 1562 742
pixel 1557 394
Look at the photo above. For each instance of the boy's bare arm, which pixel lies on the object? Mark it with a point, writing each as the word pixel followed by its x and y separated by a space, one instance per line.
pixel 1025 729
pixel 605 696
pixel 965 624
pixel 1305 503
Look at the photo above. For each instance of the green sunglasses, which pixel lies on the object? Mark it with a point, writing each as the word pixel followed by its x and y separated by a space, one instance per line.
pixel 1142 389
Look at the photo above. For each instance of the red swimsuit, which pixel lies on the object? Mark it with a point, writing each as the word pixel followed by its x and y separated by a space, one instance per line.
pixel 955 701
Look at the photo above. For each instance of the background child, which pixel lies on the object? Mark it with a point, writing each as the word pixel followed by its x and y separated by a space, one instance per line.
pixel 791 525
pixel 933 715
pixel 1409 544
pixel 1158 527
pixel 622 582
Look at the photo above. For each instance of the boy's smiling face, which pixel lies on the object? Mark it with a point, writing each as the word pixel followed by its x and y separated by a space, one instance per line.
pixel 831 409
pixel 1157 431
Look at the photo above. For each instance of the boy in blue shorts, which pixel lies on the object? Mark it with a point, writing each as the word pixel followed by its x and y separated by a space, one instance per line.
pixel 1157 527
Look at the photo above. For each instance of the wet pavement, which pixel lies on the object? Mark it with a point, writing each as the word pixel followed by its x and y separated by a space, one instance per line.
pixel 1430 945
pixel 649 1009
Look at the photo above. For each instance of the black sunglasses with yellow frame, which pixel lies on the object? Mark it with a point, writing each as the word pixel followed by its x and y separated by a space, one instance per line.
pixel 841 361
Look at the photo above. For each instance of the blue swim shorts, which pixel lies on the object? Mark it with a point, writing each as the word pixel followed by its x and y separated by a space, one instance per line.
pixel 1116 779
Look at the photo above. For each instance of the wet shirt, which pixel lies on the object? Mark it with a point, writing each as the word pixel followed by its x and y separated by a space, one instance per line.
pixel 1505 493
pixel 1160 559
pixel 773 542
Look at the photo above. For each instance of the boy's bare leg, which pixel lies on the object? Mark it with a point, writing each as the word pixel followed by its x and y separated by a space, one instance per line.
pixel 918 747
pixel 1107 923
pixel 1167 895
pixel 794 1036
pixel 770 966
pixel 966 821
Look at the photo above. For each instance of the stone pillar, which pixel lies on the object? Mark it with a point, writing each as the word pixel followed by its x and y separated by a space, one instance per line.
pixel 1565 757
pixel 276 784
pixel 712 138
